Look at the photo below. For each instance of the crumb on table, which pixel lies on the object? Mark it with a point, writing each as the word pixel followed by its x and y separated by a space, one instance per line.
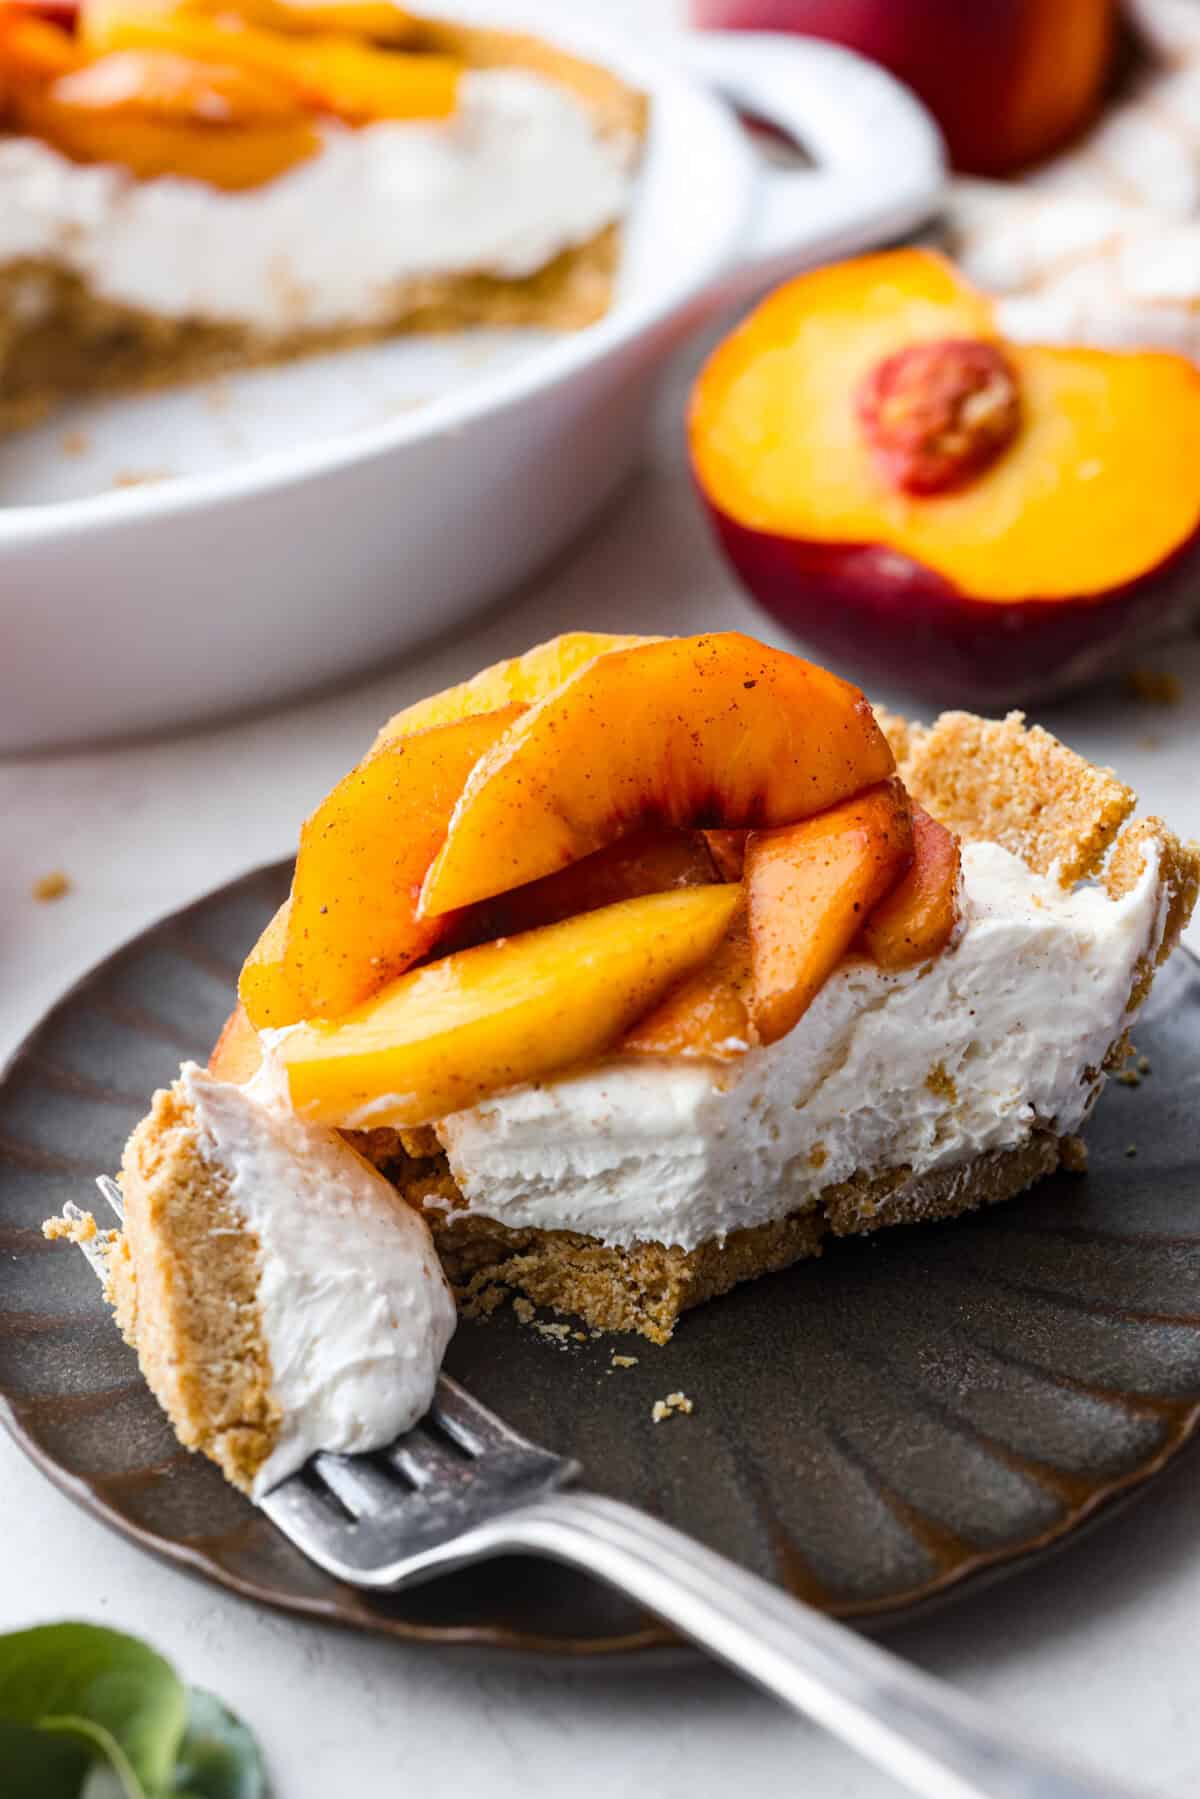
pixel 524 1309
pixel 52 886
pixel 624 1361
pixel 134 477
pixel 666 1408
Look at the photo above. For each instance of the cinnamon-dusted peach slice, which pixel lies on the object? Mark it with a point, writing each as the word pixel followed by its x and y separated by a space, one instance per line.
pixel 351 924
pixel 708 1014
pixel 328 72
pixel 917 919
pixel 808 889
pixel 374 21
pixel 712 730
pixel 653 861
pixel 160 114
pixel 361 83
pixel 377 21
pixel 447 1035
pixel 525 679
pixel 917 497
pixel 237 1053
pixel 265 993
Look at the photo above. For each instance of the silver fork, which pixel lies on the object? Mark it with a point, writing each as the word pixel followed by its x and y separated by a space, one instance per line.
pixel 463 1486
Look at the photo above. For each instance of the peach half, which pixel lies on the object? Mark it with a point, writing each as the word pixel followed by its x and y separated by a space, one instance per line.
pixel 980 521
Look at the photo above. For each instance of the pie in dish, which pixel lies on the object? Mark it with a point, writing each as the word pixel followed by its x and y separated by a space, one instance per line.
pixel 627 971
pixel 191 185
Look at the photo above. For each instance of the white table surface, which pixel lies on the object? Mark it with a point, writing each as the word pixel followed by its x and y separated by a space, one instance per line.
pixel 1096 1649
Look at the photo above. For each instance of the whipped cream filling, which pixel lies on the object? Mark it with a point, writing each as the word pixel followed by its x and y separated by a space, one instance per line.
pixel 926 1069
pixel 355 1309
pixel 518 174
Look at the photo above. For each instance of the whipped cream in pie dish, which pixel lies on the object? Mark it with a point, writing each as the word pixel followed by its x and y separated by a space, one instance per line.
pixel 925 1069
pixel 353 1307
pixel 516 175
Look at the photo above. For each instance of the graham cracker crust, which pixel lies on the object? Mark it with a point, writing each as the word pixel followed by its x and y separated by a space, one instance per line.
pixel 71 343
pixel 183 1281
pixel 60 340
pixel 647 1286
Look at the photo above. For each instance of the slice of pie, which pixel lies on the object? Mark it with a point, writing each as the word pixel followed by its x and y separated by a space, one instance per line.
pixel 194 185
pixel 638 968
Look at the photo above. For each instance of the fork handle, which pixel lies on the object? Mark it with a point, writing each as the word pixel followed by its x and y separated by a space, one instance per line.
pixel 929 1737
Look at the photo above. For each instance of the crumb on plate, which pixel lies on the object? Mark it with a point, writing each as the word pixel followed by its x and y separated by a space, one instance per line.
pixel 70 1230
pixel 52 886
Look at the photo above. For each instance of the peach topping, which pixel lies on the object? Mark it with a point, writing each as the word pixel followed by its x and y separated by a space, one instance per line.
pixel 550 807
pixel 229 94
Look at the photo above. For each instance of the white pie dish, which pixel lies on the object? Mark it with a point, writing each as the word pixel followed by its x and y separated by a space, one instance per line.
pixel 264 565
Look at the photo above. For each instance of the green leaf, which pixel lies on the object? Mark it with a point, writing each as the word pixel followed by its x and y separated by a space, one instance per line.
pixel 95 1691
pixel 218 1758
pixel 37 1766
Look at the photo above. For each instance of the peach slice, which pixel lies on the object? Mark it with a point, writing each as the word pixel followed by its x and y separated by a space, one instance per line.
pixel 917 919
pixel 64 13
pixel 375 20
pixel 326 71
pixel 171 85
pixel 528 678
pixel 809 887
pixel 231 161
pixel 708 1014
pixel 265 993
pixel 352 924
pixel 448 1035
pixel 237 1053
pixel 164 115
pixel 648 862
pixel 32 49
pixel 713 730
pixel 361 83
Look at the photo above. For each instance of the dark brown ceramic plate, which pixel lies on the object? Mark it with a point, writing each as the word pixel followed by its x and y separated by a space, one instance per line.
pixel 872 1430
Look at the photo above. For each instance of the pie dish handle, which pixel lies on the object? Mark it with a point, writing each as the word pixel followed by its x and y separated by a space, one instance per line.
pixel 879 160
